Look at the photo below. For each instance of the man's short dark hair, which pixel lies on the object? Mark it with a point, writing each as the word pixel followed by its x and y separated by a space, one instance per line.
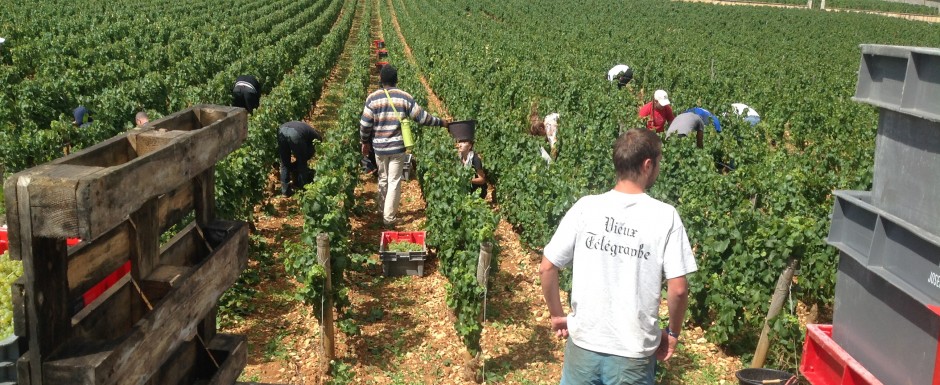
pixel 389 75
pixel 634 147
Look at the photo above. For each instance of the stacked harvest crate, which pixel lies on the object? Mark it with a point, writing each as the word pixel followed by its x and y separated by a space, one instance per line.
pixel 886 324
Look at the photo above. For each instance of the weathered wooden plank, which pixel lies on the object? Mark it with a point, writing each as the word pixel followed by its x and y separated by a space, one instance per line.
pixel 115 192
pixel 13 218
pixel 111 152
pixel 185 120
pixel 107 317
pixel 204 196
pixel 163 279
pixel 231 352
pixel 180 368
pixel 207 328
pixel 23 371
pixel 47 285
pixel 90 262
pixel 154 338
pixel 184 248
pixel 17 194
pixel 145 239
pixel 115 180
pixel 174 206
pixel 18 289
pixel 149 141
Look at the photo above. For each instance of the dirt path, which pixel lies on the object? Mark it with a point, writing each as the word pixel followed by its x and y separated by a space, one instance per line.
pixel 518 346
pixel 908 16
pixel 408 335
pixel 282 331
pixel 399 330
pixel 751 3
pixel 434 102
pixel 406 328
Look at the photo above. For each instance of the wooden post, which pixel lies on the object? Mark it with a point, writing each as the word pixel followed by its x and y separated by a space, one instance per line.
pixel 776 303
pixel 204 206
pixel 326 320
pixel 144 249
pixel 483 264
pixel 474 365
pixel 822 4
pixel 809 4
pixel 46 283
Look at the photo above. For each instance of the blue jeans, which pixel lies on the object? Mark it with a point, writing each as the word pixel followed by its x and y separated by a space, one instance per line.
pixel 584 367
pixel 290 142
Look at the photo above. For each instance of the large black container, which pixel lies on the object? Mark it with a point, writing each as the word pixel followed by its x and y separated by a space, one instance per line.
pixel 463 130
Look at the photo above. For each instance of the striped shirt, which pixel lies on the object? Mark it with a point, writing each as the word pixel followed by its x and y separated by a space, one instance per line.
pixel 380 126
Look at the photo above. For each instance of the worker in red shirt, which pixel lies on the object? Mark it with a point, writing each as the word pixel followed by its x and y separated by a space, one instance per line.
pixel 657 112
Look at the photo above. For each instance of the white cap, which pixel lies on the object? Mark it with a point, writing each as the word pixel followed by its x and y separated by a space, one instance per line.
pixel 2 40
pixel 661 97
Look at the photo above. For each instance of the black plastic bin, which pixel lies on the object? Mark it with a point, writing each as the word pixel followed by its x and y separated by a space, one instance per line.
pixel 762 376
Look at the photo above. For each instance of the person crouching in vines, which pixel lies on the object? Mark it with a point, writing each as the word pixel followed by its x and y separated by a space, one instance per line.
pixel 547 127
pixel 470 159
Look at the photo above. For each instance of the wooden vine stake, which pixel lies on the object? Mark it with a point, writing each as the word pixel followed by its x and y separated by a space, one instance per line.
pixel 483 266
pixel 776 303
pixel 326 320
pixel 475 364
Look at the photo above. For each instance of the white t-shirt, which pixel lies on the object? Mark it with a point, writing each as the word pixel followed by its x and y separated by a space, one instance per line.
pixel 617 69
pixel 551 128
pixel 744 109
pixel 621 247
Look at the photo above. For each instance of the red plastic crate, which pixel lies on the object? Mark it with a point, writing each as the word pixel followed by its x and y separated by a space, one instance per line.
pixel 826 363
pixel 378 43
pixel 404 262
pixel 3 239
pixel 381 53
pixel 379 65
pixel 5 242
pixel 106 283
pixel 402 236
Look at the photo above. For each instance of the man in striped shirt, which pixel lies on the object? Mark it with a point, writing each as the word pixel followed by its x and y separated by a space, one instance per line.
pixel 380 129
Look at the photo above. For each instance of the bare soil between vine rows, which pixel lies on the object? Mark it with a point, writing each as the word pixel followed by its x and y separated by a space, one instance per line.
pixel 406 331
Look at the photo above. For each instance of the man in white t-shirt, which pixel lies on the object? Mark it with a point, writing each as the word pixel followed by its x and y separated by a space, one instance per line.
pixel 746 112
pixel 621 244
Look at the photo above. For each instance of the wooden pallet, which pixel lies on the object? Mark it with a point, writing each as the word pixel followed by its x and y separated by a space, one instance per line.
pixel 156 325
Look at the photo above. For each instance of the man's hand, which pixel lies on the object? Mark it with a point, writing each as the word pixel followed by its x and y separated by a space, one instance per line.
pixel 667 346
pixel 560 326
pixel 365 149
pixel 445 122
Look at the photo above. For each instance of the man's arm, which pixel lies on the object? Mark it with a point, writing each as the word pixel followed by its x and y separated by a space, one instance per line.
pixel 677 299
pixel 366 122
pixel 699 132
pixel 668 114
pixel 548 274
pixel 423 117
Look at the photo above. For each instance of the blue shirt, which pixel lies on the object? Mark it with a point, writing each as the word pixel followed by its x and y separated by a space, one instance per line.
pixel 705 115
